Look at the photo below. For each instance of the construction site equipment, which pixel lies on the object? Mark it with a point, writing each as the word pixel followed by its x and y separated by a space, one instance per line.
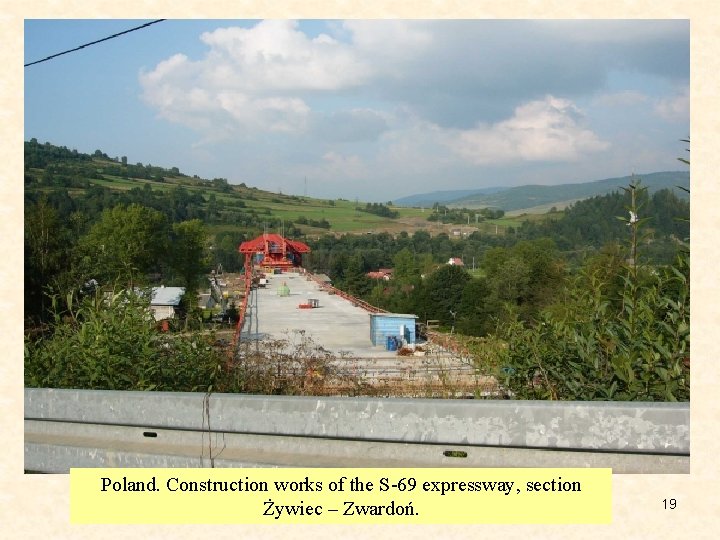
pixel 310 304
pixel 398 325
pixel 272 251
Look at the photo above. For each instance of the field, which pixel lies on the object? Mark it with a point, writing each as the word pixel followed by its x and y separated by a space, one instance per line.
pixel 305 213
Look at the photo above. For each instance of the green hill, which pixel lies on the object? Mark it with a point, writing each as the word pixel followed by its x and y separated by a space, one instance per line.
pixel 429 199
pixel 89 183
pixel 526 197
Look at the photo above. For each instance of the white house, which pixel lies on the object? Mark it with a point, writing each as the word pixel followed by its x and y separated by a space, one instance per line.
pixel 164 301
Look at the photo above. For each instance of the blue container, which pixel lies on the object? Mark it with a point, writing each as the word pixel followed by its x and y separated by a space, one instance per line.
pixel 392 343
pixel 383 325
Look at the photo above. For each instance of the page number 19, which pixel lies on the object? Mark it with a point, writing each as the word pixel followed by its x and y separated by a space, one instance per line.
pixel 670 504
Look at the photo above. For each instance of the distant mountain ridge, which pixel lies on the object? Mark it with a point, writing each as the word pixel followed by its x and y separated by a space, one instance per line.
pixel 443 196
pixel 529 196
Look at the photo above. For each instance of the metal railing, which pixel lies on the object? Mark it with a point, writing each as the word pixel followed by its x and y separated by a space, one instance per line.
pixel 93 428
pixel 342 294
pixel 241 312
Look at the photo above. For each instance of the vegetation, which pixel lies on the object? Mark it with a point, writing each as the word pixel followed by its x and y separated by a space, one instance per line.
pixel 459 216
pixel 610 321
pixel 607 342
pixel 379 209
pixel 111 343
pixel 573 304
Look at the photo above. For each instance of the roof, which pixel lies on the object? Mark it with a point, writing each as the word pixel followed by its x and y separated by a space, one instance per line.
pixel 395 315
pixel 166 296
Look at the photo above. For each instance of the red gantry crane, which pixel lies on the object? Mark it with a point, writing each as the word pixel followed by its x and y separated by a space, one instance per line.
pixel 270 252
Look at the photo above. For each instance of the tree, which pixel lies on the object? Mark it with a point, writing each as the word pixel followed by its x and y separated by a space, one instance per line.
pixel 526 277
pixel 474 314
pixel 188 256
pixel 45 254
pixel 355 281
pixel 441 293
pixel 404 266
pixel 622 334
pixel 126 243
pixel 213 208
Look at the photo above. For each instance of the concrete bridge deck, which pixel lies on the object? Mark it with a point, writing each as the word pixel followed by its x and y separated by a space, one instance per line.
pixel 337 325
pixel 343 329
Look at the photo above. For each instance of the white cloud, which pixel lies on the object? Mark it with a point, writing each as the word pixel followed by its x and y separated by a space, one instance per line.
pixel 265 114
pixel 251 79
pixel 414 147
pixel 350 126
pixel 544 130
pixel 338 167
pixel 627 98
pixel 386 40
pixel 623 31
pixel 388 102
pixel 675 108
pixel 275 55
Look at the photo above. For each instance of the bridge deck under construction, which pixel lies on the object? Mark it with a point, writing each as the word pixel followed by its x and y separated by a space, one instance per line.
pixel 336 324
pixel 341 326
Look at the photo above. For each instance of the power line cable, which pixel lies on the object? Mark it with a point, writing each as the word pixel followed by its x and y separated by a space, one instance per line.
pixel 95 42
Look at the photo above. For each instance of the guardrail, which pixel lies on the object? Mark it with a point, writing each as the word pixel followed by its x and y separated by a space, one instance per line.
pixel 93 428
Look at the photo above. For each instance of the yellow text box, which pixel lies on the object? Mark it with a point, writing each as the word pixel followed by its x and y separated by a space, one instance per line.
pixel 341 496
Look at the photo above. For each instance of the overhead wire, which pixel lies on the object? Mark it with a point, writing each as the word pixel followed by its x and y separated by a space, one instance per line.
pixel 94 42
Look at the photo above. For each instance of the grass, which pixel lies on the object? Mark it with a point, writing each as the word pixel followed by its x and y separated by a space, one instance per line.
pixel 340 213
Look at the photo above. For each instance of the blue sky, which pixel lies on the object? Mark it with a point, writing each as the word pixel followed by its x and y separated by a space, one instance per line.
pixel 368 109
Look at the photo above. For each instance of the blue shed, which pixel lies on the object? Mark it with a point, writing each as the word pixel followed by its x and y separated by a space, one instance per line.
pixel 400 325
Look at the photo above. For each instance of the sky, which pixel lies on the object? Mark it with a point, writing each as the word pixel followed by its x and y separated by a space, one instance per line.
pixel 374 110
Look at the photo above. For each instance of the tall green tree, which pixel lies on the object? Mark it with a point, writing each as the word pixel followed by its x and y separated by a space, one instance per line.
pixel 45 254
pixel 188 255
pixel 627 340
pixel 475 314
pixel 355 280
pixel 124 245
pixel 526 277
pixel 440 294
pixel 404 268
